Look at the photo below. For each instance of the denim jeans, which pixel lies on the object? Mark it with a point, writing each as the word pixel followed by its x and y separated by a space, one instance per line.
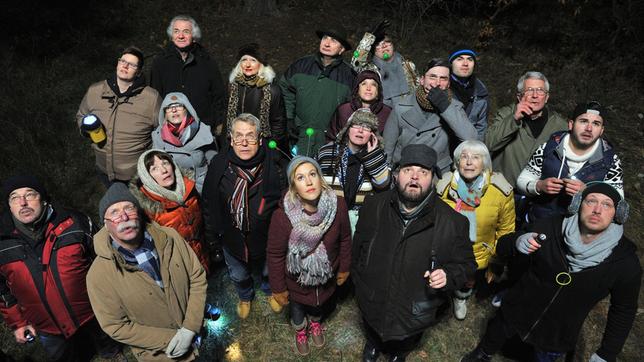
pixel 81 346
pixel 299 313
pixel 241 272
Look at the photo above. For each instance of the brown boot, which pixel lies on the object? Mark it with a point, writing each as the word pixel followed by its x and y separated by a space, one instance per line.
pixel 302 342
pixel 317 335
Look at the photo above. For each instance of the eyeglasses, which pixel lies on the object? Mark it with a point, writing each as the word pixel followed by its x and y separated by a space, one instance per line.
pixel 251 139
pixel 605 205
pixel 29 196
pixel 467 157
pixel 116 216
pixel 124 62
pixel 174 107
pixel 538 91
pixel 362 127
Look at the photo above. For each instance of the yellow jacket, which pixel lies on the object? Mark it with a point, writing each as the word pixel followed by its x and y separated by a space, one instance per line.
pixel 495 215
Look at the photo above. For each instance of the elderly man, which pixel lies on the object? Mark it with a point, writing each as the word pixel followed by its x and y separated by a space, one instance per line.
pixel 518 129
pixel 241 191
pixel 574 262
pixel 561 167
pixel 186 67
pixel 410 252
pixel 46 252
pixel 146 285
pixel 468 88
pixel 432 117
pixel 313 86
pixel 127 112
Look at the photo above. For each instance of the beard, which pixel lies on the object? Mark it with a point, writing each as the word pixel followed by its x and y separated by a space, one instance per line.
pixel 412 196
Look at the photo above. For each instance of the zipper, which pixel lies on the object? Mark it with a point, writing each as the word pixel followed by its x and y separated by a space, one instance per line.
pixel 11 247
pixel 317 295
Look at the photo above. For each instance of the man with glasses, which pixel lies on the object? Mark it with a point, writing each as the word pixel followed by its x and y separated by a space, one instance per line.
pixel 432 117
pixel 517 130
pixel 45 254
pixel 241 191
pixel 186 66
pixel 127 111
pixel 562 166
pixel 574 262
pixel 146 286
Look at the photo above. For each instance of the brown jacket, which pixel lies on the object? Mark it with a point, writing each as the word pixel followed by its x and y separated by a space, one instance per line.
pixel 128 120
pixel 132 309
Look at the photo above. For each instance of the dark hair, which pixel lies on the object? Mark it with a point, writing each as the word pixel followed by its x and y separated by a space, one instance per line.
pixel 438 62
pixel 137 53
pixel 148 161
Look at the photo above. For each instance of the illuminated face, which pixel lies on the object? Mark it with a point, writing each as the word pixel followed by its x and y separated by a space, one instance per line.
pixel 385 47
pixel 435 77
pixel 414 183
pixel 535 94
pixel 175 113
pixel 127 67
pixel 586 129
pixel 470 165
pixel 162 171
pixel 359 135
pixel 463 66
pixel 25 205
pixel 182 33
pixel 244 140
pixel 596 213
pixel 307 182
pixel 368 90
pixel 122 222
pixel 330 47
pixel 249 65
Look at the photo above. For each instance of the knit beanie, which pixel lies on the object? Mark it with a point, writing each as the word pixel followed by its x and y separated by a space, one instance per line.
pixel 600 187
pixel 297 161
pixel 461 50
pixel 116 193
pixel 20 181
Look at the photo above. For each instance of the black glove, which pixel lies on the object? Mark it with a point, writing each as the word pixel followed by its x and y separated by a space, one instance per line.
pixel 438 98
pixel 379 30
pixel 216 252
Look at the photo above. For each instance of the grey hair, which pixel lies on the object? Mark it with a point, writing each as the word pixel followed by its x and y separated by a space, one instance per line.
pixel 196 30
pixel 247 118
pixel 532 75
pixel 477 147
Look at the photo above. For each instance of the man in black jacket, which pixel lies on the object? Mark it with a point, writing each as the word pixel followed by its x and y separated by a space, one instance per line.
pixel 410 251
pixel 186 67
pixel 575 262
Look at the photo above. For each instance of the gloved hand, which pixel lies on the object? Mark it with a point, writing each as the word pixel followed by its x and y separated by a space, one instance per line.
pixel 281 298
pixel 379 30
pixel 596 358
pixel 438 98
pixel 527 244
pixel 342 277
pixel 180 343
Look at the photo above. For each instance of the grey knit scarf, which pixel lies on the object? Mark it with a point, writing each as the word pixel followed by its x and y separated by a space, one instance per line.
pixel 307 256
pixel 582 256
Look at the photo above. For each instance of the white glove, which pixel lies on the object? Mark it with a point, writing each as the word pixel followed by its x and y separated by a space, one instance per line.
pixel 527 243
pixel 596 358
pixel 180 343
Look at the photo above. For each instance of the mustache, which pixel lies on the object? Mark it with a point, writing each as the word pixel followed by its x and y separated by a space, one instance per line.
pixel 127 224
pixel 27 208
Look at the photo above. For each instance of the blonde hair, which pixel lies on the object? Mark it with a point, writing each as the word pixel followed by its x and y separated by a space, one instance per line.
pixel 296 162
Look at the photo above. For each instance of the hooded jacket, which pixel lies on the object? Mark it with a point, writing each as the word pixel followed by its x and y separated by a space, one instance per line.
pixel 197 150
pixel 130 306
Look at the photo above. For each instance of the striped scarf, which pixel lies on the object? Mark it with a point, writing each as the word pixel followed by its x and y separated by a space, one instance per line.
pixel 239 198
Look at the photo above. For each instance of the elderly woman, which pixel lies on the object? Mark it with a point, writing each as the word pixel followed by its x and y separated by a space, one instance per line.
pixel 309 250
pixel 367 94
pixel 184 137
pixel 486 199
pixel 170 198
pixel 252 90
pixel 355 165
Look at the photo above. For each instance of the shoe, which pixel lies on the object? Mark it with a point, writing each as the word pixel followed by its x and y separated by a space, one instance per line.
pixel 397 358
pixel 497 300
pixel 460 308
pixel 302 342
pixel 370 353
pixel 317 336
pixel 477 355
pixel 243 309
pixel 275 306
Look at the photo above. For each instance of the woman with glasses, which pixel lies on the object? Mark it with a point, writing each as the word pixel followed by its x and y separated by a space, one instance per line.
pixel 182 135
pixel 486 199
pixel 355 164
pixel 169 197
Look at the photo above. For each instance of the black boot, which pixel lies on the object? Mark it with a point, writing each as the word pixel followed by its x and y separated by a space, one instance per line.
pixel 398 357
pixel 477 355
pixel 370 353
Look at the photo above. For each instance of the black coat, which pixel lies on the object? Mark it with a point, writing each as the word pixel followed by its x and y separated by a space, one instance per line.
pixel 389 260
pixel 550 316
pixel 198 78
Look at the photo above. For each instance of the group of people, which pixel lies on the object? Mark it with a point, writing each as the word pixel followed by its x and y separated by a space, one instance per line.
pixel 363 171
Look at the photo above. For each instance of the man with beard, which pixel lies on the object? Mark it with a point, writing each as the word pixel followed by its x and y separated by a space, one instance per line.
pixel 432 117
pixel 561 167
pixel 146 285
pixel 313 86
pixel 185 66
pixel 127 112
pixel 410 252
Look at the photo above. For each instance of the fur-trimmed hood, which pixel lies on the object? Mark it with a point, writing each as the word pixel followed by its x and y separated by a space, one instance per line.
pixel 266 72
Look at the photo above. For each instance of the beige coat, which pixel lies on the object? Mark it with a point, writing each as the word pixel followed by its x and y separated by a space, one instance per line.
pixel 132 309
pixel 128 123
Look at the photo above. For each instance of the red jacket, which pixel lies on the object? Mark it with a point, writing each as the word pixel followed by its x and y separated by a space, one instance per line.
pixel 47 291
pixel 337 241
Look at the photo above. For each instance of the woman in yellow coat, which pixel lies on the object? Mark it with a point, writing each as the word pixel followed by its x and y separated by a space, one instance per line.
pixel 486 199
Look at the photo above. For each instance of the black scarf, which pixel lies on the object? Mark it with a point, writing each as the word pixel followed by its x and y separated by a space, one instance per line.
pixel 135 88
pixel 536 125
pixel 463 88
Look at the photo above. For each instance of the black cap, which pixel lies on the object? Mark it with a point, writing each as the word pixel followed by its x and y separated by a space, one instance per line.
pixel 600 187
pixel 20 181
pixel 254 51
pixel 418 155
pixel 337 34
pixel 460 50
pixel 589 107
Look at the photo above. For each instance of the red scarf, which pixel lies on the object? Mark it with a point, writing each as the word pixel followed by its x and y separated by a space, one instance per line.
pixel 171 133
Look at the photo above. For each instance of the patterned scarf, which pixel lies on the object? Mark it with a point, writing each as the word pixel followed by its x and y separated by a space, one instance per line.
pixel 582 256
pixel 265 102
pixel 145 257
pixel 469 198
pixel 346 173
pixel 239 198
pixel 177 134
pixel 307 256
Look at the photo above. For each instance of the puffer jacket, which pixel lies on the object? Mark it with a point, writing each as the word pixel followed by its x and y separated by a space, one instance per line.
pixel 130 306
pixel 495 215
pixel 128 120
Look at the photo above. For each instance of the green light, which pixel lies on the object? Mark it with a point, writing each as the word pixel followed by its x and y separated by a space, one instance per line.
pixel 310 131
pixel 272 144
